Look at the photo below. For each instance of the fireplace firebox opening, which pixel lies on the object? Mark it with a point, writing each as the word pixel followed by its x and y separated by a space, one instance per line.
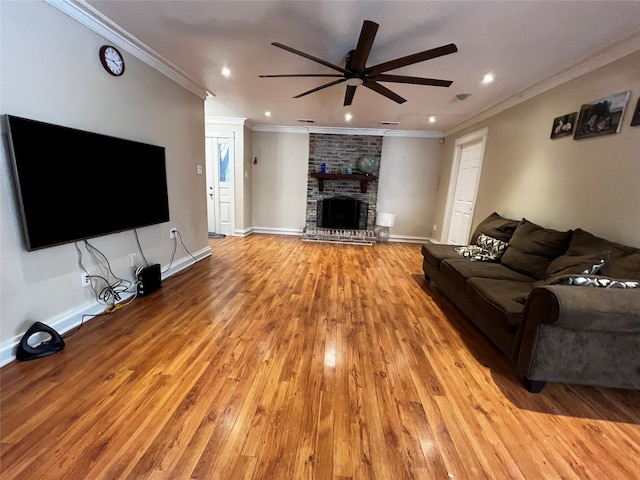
pixel 342 212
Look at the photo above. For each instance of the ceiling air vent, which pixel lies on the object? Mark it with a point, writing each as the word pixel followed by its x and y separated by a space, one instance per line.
pixel 305 120
pixel 390 123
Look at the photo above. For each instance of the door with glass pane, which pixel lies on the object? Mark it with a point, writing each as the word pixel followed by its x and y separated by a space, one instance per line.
pixel 220 161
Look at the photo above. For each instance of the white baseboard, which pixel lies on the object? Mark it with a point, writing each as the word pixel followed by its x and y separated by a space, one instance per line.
pixel 278 231
pixel 185 262
pixel 243 233
pixel 410 239
pixel 73 318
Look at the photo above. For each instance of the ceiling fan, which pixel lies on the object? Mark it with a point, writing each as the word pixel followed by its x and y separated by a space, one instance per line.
pixel 356 72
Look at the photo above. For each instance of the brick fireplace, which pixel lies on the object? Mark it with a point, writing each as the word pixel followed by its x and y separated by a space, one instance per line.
pixel 339 152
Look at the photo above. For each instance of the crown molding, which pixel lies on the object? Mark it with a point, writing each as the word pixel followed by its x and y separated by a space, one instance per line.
pixel 347 131
pixel 85 14
pixel 413 133
pixel 279 129
pixel 225 120
pixel 598 60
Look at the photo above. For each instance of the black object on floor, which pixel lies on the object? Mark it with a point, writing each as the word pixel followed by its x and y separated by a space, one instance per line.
pixel 48 347
pixel 216 235
pixel 149 279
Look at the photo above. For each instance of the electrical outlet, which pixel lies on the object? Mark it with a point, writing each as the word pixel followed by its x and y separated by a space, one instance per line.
pixel 435 228
pixel 86 281
pixel 132 259
pixel 172 232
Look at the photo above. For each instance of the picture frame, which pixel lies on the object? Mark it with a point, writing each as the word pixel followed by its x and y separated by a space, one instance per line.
pixel 602 116
pixel 563 125
pixel 635 119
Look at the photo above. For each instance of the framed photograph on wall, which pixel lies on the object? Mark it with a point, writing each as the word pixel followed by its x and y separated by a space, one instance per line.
pixel 563 125
pixel 635 120
pixel 602 116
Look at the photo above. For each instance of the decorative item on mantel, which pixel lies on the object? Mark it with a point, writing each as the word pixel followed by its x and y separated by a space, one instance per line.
pixel 368 164
pixel 383 222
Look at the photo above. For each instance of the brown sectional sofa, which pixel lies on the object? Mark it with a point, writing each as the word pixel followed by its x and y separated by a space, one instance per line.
pixel 532 302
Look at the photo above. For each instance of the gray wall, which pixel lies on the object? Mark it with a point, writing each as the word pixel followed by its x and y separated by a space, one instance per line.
pixel 280 181
pixel 563 183
pixel 51 72
pixel 408 180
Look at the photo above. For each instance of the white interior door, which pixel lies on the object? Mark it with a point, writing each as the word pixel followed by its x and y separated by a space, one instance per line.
pixel 463 187
pixel 220 165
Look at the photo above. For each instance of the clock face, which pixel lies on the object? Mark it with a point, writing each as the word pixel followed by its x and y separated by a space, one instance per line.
pixel 111 60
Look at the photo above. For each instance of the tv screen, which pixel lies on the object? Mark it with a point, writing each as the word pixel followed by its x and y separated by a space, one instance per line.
pixel 73 185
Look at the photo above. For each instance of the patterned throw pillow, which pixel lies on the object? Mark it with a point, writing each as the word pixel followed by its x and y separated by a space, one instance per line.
pixel 475 253
pixel 492 245
pixel 595 281
pixel 488 249
pixel 594 269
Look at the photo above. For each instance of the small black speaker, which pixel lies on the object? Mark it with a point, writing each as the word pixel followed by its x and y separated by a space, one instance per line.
pixel 48 347
pixel 149 280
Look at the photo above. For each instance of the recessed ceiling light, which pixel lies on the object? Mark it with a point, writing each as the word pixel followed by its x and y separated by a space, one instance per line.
pixel 488 78
pixel 226 72
pixel 348 117
pixel 267 113
pixel 432 119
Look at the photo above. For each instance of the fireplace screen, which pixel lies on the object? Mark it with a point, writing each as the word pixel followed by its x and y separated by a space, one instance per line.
pixel 342 212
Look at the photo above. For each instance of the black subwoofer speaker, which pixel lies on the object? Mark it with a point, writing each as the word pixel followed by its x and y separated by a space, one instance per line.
pixel 149 279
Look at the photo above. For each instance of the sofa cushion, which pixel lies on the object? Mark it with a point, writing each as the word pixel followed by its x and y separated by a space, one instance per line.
pixel 624 266
pixel 495 226
pixel 621 261
pixel 460 270
pixel 566 264
pixel 434 253
pixel 498 298
pixel 532 248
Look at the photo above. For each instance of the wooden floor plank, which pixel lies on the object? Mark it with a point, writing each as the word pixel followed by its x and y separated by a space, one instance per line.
pixel 281 359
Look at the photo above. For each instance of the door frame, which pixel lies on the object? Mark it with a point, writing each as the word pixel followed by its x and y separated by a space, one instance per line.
pixel 213 176
pixel 479 136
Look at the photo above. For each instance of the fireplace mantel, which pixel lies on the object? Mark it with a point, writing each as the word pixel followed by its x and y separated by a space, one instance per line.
pixel 363 179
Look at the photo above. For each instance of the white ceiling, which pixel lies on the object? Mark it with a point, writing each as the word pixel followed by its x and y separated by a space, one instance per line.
pixel 527 45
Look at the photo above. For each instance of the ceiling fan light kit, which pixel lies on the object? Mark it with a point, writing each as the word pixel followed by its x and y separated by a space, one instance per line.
pixel 356 73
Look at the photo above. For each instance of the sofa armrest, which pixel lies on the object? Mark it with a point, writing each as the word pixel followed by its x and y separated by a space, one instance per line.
pixel 586 308
pixel 580 335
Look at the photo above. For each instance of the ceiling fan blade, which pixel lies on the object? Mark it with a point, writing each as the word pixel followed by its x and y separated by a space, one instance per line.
pixel 321 87
pixel 302 75
pixel 376 87
pixel 348 96
pixel 367 35
pixel 415 80
pixel 310 57
pixel 411 59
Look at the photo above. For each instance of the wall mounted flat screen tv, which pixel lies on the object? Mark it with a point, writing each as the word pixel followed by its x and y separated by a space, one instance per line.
pixel 72 184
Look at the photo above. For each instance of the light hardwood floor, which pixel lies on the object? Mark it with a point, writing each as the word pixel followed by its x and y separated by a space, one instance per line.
pixel 282 359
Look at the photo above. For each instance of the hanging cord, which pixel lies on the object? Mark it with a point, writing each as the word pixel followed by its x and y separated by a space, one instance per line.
pixel 109 295
pixel 146 264
pixel 120 285
pixel 173 254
